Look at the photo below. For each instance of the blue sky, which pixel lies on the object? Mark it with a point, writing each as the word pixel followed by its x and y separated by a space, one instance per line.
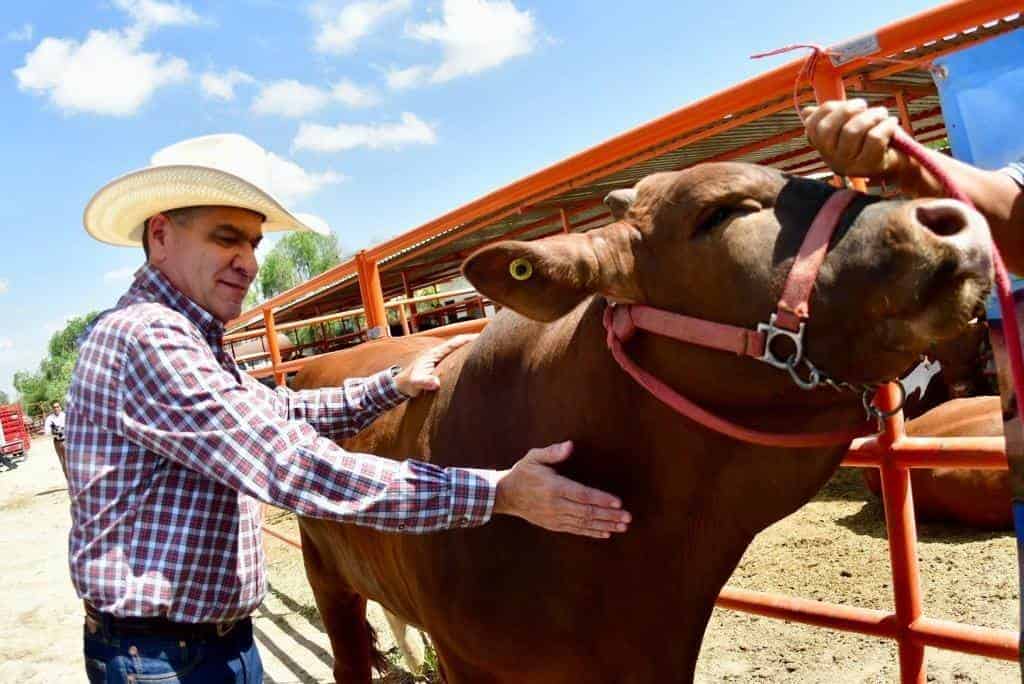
pixel 381 114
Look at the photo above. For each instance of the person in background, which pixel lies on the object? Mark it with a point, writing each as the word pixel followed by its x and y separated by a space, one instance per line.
pixel 54 426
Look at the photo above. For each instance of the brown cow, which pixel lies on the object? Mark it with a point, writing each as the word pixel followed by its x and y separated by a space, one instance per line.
pixel 976 498
pixel 512 603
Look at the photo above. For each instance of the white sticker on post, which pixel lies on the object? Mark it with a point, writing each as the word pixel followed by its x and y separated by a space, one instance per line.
pixel 862 46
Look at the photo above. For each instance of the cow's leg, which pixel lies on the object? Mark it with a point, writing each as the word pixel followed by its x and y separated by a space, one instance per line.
pixel 409 642
pixel 343 611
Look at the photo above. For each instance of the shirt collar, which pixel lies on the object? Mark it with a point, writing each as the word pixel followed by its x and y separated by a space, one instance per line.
pixel 155 284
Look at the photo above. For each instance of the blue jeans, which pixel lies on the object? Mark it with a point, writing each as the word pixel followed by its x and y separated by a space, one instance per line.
pixel 233 658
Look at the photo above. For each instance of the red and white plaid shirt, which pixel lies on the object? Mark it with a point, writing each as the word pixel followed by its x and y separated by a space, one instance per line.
pixel 170 448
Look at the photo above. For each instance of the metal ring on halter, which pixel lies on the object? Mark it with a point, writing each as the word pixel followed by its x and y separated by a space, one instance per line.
pixel 867 398
pixel 813 374
pixel 770 332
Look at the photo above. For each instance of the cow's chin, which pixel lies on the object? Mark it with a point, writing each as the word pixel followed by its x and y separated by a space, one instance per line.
pixel 948 312
pixel 891 346
pixel 951 311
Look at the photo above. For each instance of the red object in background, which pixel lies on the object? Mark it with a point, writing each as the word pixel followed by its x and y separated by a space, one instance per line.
pixel 14 436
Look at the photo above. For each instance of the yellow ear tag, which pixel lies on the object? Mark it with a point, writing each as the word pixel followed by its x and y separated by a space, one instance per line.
pixel 521 269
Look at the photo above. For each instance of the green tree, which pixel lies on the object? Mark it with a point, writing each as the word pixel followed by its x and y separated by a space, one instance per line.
pixel 277 274
pixel 296 258
pixel 50 383
pixel 4 399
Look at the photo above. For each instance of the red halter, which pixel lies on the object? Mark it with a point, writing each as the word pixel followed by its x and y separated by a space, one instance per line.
pixel 622 321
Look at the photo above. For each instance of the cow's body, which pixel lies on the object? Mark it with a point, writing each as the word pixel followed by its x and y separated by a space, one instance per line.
pixel 513 603
pixel 471 589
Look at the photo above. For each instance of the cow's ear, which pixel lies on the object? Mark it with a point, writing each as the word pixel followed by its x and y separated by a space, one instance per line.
pixel 545 279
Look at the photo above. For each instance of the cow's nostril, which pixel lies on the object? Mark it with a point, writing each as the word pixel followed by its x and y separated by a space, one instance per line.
pixel 942 219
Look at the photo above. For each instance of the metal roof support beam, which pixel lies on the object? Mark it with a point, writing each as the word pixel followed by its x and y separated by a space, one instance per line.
pixel 407 291
pixel 275 351
pixel 901 107
pixel 372 296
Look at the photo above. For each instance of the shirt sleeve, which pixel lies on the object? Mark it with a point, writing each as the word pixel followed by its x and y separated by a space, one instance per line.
pixel 335 412
pixel 48 425
pixel 1015 171
pixel 177 401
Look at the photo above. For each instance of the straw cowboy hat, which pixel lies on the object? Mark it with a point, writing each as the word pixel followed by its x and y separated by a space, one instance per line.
pixel 224 170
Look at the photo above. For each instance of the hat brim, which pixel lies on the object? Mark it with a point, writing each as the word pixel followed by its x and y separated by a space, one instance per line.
pixel 117 212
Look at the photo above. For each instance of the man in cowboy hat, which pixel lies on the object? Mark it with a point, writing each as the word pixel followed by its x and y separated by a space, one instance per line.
pixel 170 448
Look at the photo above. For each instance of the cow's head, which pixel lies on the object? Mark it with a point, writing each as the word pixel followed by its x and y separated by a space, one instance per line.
pixel 716 241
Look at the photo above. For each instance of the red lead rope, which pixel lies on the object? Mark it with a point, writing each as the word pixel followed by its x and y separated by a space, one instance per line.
pixel 696 413
pixel 1004 291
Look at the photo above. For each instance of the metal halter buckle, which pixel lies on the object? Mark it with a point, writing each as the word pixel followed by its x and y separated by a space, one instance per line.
pixel 772 331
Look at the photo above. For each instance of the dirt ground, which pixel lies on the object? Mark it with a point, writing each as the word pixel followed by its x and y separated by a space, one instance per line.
pixel 833 549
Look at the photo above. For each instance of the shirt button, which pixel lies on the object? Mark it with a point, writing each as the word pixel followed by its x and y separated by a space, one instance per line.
pixel 464 521
pixel 401 526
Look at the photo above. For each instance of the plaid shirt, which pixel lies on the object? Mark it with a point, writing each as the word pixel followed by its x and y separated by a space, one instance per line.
pixel 170 449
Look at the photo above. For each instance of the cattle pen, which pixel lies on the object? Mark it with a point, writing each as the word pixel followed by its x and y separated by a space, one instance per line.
pixel 754 121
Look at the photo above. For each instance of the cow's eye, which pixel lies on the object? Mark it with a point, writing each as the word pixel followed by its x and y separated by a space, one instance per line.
pixel 716 216
pixel 710 220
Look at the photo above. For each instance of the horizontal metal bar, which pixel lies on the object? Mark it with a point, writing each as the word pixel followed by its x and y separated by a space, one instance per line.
pixel 951 636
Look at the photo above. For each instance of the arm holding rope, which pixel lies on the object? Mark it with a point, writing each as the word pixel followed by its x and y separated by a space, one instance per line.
pixel 855 140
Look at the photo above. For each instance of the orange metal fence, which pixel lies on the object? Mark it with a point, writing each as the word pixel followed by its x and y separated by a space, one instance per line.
pixel 894 453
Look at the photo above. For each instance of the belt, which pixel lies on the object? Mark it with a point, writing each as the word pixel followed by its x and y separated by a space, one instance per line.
pixel 95 620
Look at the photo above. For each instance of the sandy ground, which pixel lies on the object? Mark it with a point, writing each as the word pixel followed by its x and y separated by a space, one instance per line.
pixel 833 549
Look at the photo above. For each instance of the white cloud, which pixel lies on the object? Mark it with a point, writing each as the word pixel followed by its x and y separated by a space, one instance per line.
pixel 107 73
pixel 290 182
pixel 222 86
pixel 21 35
pixel 120 274
pixel 352 95
pixel 6 343
pixel 4 287
pixel 410 131
pixel 289 98
pixel 293 99
pixel 400 79
pixel 339 31
pixel 474 35
pixel 153 13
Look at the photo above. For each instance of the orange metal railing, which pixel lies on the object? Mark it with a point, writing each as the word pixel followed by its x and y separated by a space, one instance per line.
pixel 894 453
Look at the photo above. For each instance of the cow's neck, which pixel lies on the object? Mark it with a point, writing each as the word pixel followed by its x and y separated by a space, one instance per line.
pixel 632 437
pixel 687 487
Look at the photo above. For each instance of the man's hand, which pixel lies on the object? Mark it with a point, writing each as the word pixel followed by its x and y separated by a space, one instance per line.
pixel 532 490
pixel 852 138
pixel 421 373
